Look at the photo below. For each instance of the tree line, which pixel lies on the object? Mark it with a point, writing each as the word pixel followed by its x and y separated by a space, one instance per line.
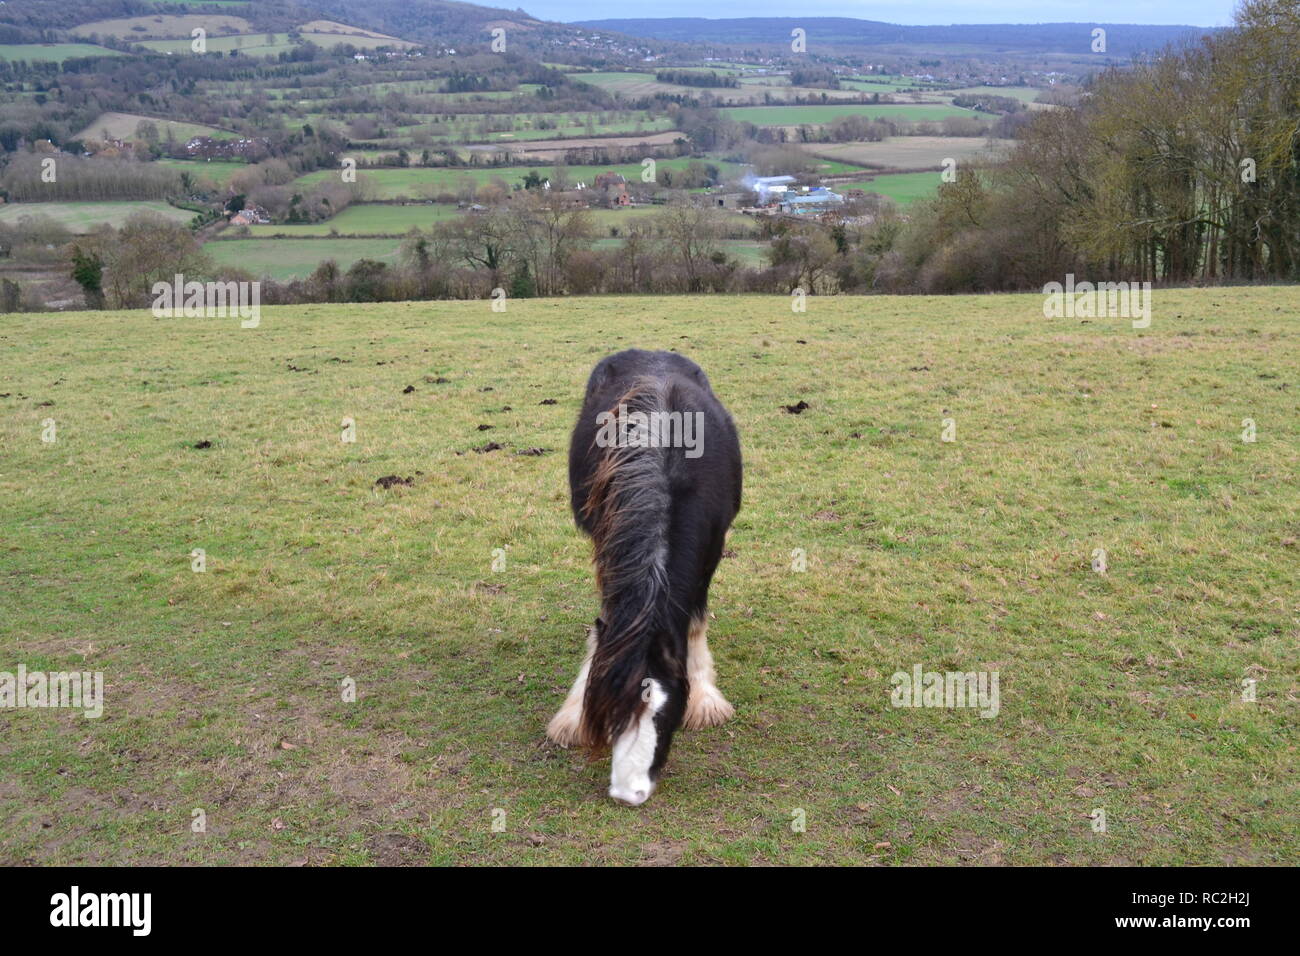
pixel 696 78
pixel 1182 168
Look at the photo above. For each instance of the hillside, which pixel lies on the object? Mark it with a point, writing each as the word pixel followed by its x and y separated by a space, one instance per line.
pixel 845 33
pixel 441 24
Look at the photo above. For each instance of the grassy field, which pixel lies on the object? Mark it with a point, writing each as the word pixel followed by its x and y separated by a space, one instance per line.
pixel 1120 692
pixel 172 34
pixel 910 152
pixel 124 126
pixel 217 170
pixel 297 258
pixel 780 89
pixel 632 85
pixel 383 219
pixel 84 216
pixel 750 252
pixel 429 89
pixel 372 42
pixel 529 127
pixel 903 188
pixel 1025 94
pixel 248 44
pixel 414 182
pixel 557 149
pixel 834 167
pixel 751 88
pixel 52 52
pixel 379 219
pixel 334 27
pixel 883 84
pixel 164 25
pixel 818 115
pixel 574 130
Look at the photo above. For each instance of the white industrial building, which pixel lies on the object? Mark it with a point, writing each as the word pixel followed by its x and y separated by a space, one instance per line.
pixel 770 188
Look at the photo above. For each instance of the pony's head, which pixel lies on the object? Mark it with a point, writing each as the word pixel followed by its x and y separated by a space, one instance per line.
pixel 641 750
pixel 631 708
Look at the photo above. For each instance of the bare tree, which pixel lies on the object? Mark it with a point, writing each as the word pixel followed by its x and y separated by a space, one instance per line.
pixel 547 230
pixel 690 234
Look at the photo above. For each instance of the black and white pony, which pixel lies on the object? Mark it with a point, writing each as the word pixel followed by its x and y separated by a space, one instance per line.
pixel 654 476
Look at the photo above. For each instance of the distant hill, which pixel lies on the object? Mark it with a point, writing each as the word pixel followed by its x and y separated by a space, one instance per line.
pixel 429 21
pixel 443 23
pixel 468 27
pixel 436 23
pixel 842 32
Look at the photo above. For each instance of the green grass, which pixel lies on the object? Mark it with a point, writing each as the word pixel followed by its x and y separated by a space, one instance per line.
pixel 819 115
pixel 752 86
pixel 882 84
pixel 295 258
pixel 582 129
pixel 834 167
pixel 52 52
pixel 1120 692
pixel 628 84
pixel 84 216
pixel 414 182
pixel 911 152
pixel 248 44
pixel 1025 94
pixel 124 126
pixel 165 25
pixel 217 170
pixel 388 183
pixel 426 89
pixel 383 219
pixel 750 252
pixel 903 188
pixel 325 39
pixel 524 126
pixel 367 220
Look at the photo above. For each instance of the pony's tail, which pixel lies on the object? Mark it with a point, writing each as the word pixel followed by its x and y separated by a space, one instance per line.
pixel 629 506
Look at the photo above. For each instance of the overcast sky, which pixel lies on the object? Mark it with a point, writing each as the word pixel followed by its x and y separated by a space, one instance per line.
pixel 1201 13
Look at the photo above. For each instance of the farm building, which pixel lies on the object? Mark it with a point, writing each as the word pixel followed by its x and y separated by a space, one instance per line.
pixel 209 148
pixel 614 187
pixel 251 215
pixel 770 188
pixel 813 201
pixel 729 200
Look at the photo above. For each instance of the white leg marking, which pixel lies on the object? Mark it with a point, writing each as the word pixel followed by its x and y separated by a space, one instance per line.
pixel 634 752
pixel 563 728
pixel 705 707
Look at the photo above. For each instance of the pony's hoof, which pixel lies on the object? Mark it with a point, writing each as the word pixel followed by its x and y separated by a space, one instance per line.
pixel 564 726
pixel 706 708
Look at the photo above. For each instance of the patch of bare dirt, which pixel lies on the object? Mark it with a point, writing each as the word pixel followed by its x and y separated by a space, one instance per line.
pixel 397 849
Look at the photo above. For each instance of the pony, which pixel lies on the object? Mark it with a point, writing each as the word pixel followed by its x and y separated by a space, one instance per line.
pixel 654 481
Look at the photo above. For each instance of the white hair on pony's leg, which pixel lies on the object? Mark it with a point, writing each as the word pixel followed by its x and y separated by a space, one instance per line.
pixel 634 751
pixel 705 705
pixel 564 726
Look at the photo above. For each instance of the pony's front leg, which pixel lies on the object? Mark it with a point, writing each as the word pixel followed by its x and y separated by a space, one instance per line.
pixel 563 728
pixel 705 706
